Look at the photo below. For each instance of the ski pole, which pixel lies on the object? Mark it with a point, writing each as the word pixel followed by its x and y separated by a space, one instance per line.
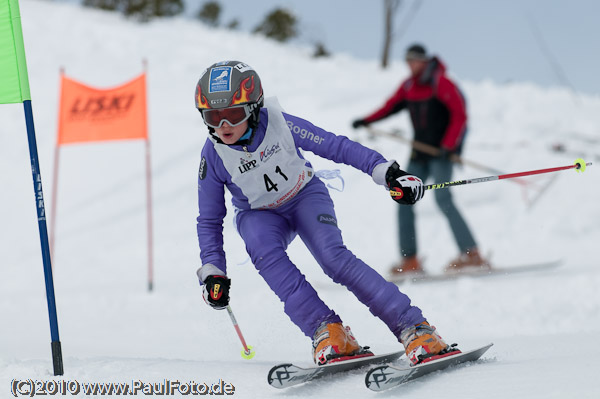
pixel 435 151
pixel 247 352
pixel 579 166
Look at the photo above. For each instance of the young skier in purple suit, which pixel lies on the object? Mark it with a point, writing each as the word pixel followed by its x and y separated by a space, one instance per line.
pixel 253 149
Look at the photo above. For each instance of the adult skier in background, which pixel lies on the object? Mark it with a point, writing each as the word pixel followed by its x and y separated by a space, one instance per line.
pixel 254 151
pixel 439 118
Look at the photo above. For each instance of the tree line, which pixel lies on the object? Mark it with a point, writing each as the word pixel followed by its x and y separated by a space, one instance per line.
pixel 279 24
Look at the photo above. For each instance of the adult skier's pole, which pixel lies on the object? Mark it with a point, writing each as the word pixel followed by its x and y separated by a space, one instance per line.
pixel 435 152
pixel 247 352
pixel 579 166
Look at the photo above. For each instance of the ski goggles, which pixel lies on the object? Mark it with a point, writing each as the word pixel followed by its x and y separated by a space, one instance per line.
pixel 234 116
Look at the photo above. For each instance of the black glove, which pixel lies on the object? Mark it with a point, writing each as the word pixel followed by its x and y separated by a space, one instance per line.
pixel 358 123
pixel 404 188
pixel 215 291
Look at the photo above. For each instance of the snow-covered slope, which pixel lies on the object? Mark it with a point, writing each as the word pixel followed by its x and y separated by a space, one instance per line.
pixel 544 326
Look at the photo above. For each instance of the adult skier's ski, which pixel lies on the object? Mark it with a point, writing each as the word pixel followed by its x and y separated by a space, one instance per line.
pixel 389 376
pixel 494 271
pixel 287 375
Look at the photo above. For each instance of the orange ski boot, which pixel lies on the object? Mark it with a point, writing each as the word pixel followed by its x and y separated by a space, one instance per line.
pixel 409 265
pixel 422 342
pixel 468 261
pixel 333 342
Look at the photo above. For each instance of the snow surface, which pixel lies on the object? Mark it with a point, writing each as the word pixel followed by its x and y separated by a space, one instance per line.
pixel 544 325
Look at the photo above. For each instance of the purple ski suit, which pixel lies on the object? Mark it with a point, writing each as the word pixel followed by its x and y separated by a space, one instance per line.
pixel 307 211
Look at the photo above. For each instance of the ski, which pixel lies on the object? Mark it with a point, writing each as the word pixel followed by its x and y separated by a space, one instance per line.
pixel 287 374
pixel 389 376
pixel 494 271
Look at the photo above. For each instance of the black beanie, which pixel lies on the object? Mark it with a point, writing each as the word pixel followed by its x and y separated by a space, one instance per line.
pixel 416 52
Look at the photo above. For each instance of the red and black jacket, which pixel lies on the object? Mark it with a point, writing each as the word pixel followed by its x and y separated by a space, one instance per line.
pixel 436 105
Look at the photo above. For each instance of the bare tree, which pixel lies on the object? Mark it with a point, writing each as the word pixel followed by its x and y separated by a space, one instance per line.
pixel 390 7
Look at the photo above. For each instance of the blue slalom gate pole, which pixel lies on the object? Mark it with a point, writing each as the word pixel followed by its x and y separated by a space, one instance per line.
pixel 41 212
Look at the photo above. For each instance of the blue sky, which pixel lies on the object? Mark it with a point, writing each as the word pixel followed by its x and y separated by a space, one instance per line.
pixel 477 39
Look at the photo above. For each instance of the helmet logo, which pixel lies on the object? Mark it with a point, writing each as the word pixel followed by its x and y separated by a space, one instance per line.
pixel 243 67
pixel 222 76
pixel 201 101
pixel 220 79
pixel 242 96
